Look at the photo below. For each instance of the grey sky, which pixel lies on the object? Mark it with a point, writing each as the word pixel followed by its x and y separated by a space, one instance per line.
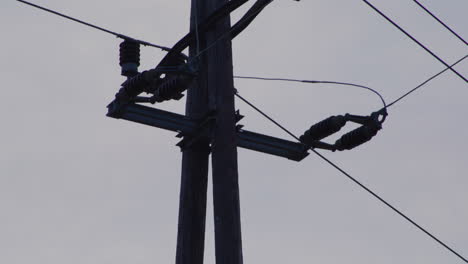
pixel 77 187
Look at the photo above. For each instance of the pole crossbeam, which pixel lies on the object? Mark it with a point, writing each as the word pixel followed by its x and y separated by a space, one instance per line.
pixel 187 127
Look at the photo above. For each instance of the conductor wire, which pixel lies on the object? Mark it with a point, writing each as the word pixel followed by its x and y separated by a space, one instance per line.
pixel 233 28
pixel 197 33
pixel 316 82
pixel 440 21
pixel 426 81
pixel 414 39
pixel 96 27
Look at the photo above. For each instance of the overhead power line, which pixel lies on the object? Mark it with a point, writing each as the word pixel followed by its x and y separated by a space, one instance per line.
pixel 440 21
pixel 426 81
pixel 414 39
pixel 232 32
pixel 239 26
pixel 393 208
pixel 96 27
pixel 357 85
pixel 315 82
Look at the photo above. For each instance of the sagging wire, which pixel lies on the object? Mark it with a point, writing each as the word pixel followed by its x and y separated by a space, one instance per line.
pixel 122 36
pixel 353 179
pixel 361 86
pixel 315 82
pixel 414 39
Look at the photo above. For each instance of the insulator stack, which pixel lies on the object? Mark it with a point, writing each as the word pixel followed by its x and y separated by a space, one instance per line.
pixel 323 129
pixel 172 88
pixel 129 57
pixel 357 137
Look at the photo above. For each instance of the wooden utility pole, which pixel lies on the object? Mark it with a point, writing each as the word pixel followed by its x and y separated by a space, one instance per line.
pixel 227 222
pixel 213 91
pixel 209 125
pixel 193 191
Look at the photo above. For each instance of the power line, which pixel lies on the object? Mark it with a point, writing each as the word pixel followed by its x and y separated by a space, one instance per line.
pixel 315 82
pixel 239 26
pixel 96 27
pixel 204 26
pixel 414 39
pixel 426 81
pixel 440 21
pixel 197 34
pixel 357 85
pixel 393 208
pixel 265 115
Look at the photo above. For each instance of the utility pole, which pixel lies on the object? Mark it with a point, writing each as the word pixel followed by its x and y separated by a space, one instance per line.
pixel 193 191
pixel 209 125
pixel 212 92
pixel 228 241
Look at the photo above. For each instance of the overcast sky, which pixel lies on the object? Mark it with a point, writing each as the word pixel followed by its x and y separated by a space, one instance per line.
pixel 77 187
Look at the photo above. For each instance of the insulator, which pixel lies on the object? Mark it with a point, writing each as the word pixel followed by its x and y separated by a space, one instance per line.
pixel 357 137
pixel 137 84
pixel 129 57
pixel 323 129
pixel 172 88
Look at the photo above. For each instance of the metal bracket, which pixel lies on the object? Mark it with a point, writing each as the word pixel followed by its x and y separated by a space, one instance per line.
pixel 202 131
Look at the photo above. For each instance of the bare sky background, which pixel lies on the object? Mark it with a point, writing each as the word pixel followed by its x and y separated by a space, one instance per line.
pixel 77 187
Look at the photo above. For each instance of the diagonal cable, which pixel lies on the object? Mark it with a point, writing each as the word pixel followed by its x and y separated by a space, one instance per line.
pixel 440 21
pixel 426 81
pixel 414 39
pixel 237 28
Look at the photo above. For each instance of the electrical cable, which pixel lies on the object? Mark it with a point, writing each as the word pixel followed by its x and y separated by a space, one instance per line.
pixel 425 82
pixel 414 39
pixel 249 17
pixel 204 26
pixel 144 43
pixel 440 21
pixel 247 20
pixel 360 86
pixel 356 181
pixel 197 33
pixel 238 27
pixel 315 82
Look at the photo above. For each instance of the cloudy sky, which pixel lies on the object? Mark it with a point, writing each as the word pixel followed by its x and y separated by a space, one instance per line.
pixel 77 187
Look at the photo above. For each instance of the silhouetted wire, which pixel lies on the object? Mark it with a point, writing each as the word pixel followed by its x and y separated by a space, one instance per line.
pixel 228 33
pixel 354 180
pixel 197 34
pixel 96 27
pixel 315 82
pixel 440 21
pixel 265 115
pixel 414 39
pixel 425 82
